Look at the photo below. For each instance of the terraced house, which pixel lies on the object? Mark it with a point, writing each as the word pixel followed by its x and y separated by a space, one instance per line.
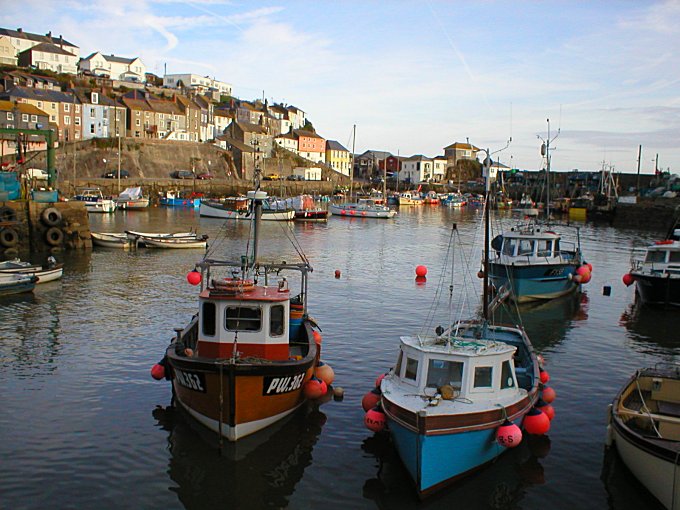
pixel 22 116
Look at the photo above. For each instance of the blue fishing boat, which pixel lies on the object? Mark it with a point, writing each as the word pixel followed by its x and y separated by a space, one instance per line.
pixel 13 283
pixel 456 398
pixel 180 199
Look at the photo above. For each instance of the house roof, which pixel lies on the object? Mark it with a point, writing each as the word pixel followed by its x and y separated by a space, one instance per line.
pixel 332 145
pixel 462 146
pixel 288 135
pixel 54 96
pixel 304 132
pixel 247 127
pixel 49 48
pixel 35 37
pixel 374 155
pixel 112 58
pixel 35 77
pixel 418 157
pixel 235 143
pixel 28 108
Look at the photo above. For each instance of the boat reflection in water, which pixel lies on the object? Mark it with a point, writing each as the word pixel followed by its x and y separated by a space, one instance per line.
pixel 653 329
pixel 259 471
pixel 502 484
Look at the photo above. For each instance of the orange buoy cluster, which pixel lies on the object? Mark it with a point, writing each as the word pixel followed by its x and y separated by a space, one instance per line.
pixel 321 381
pixel 374 419
pixel 583 273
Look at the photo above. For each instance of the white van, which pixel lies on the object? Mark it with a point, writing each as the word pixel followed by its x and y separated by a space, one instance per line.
pixel 37 173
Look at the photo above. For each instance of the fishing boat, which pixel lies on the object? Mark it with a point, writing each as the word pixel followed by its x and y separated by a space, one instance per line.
pixel 132 198
pixel 410 198
pixel 454 393
pixel 248 357
pixel 306 209
pixel 141 239
pixel 53 270
pixel 239 208
pixel 179 199
pixel 533 261
pixel 94 200
pixel 174 242
pixel 657 275
pixel 16 283
pixel 431 198
pixel 112 240
pixel 644 425
pixel 454 200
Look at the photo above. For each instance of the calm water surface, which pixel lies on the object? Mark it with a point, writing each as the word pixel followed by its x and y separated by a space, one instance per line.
pixel 84 425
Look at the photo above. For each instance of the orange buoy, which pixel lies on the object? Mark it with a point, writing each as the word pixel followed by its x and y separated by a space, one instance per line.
pixel 628 279
pixel 194 277
pixel 536 422
pixel 548 394
pixel 375 420
pixel 315 388
pixel 545 376
pixel 421 271
pixel 508 435
pixel 379 379
pixel 324 372
pixel 371 399
pixel 546 408
pixel 317 337
pixel 158 371
pixel 337 273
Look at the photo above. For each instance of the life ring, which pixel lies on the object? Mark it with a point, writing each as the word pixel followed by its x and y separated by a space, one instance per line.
pixel 234 285
pixel 51 217
pixel 7 214
pixel 9 237
pixel 54 236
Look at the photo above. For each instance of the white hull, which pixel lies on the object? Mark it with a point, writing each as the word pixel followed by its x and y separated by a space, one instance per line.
pixel 111 240
pixel 44 275
pixel 180 243
pixel 210 211
pixel 357 211
pixel 103 206
pixel 139 203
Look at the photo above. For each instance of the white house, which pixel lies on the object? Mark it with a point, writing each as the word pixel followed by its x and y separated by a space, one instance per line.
pixel 23 41
pixel 288 141
pixel 116 68
pixel 49 56
pixel 439 168
pixel 312 173
pixel 297 117
pixel 202 84
pixel 417 169
pixel 8 53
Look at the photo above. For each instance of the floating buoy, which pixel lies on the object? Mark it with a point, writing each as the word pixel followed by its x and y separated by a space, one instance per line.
pixel 317 337
pixel 582 270
pixel 628 279
pixel 544 375
pixel 536 422
pixel 480 274
pixel 548 394
pixel 508 435
pixel 324 372
pixel 375 420
pixel 379 379
pixel 315 388
pixel 158 371
pixel 194 277
pixel 421 280
pixel 371 399
pixel 546 408
pixel 338 393
pixel 421 271
pixel 590 266
pixel 337 273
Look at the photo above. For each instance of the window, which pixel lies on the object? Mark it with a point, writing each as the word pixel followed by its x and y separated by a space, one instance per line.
pixel 77 108
pixel 509 247
pixel 656 256
pixel 411 368
pixel 441 372
pixel 243 318
pixel 209 319
pixel 526 247
pixel 24 117
pixel 10 116
pixel 507 381
pixel 544 247
pixel 483 377
pixel 53 118
pixel 138 122
pixel 77 120
pixel 67 107
pixel 674 256
pixel 92 112
pixel 67 120
pixel 54 106
pixel 92 129
pixel 39 104
pixel 276 322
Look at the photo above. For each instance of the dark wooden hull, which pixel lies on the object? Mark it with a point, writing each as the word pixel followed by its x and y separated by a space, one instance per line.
pixel 658 290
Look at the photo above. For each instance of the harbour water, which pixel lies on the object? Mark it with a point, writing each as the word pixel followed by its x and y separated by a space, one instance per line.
pixel 85 426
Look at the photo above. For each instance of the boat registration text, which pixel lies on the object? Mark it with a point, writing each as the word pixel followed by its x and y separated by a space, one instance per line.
pixel 278 385
pixel 191 380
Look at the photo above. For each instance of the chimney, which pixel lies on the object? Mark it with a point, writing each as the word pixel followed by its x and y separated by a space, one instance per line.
pixel 49 34
pixel 20 30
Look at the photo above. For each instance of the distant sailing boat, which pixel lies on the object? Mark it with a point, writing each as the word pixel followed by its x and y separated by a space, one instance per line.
pixel 364 207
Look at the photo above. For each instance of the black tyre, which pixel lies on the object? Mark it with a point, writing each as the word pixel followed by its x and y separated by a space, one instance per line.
pixel 51 217
pixel 9 237
pixel 7 214
pixel 54 236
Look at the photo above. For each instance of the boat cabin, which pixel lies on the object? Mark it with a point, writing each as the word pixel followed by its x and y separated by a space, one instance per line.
pixel 253 320
pixel 663 257
pixel 530 243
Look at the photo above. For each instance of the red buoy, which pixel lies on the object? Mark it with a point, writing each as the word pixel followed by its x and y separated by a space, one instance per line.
pixel 421 280
pixel 508 435
pixel 158 371
pixel 590 266
pixel 548 394
pixel 371 399
pixel 536 422
pixel 315 388
pixel 585 277
pixel 546 408
pixel 325 373
pixel 421 271
pixel 375 420
pixel 628 279
pixel 194 277
pixel 379 379
pixel 545 376
pixel 317 337
pixel 337 273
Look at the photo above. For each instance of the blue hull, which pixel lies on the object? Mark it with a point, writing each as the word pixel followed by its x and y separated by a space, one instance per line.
pixel 17 288
pixel 535 282
pixel 181 202
pixel 433 461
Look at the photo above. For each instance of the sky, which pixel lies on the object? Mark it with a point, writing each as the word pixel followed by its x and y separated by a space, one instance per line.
pixel 597 79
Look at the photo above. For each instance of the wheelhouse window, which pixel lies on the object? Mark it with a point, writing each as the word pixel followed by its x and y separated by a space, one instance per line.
pixel 483 377
pixel 509 247
pixel 243 318
pixel 411 371
pixel 276 320
pixel 208 319
pixel 656 256
pixel 441 372
pixel 674 256
pixel 526 247
pixel 544 247
pixel 507 381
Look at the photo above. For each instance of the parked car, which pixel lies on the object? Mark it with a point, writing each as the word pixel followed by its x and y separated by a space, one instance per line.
pixel 113 174
pixel 205 177
pixel 183 174
pixel 295 177
pixel 37 173
pixel 271 177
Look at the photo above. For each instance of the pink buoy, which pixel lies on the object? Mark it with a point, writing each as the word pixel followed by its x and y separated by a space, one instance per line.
pixel 582 270
pixel 508 435
pixel 544 375
pixel 371 399
pixel 536 422
pixel 314 388
pixel 628 279
pixel 548 395
pixel 375 420
pixel 158 371
pixel 421 271
pixel 194 277
pixel 325 373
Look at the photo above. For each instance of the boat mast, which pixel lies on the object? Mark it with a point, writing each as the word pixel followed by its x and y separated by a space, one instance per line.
pixel 545 151
pixel 487 181
pixel 351 164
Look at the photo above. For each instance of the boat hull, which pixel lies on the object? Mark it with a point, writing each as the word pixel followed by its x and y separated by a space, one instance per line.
pixel 44 275
pixel 174 243
pixel 180 202
pixel 17 287
pixel 101 207
pixel 211 211
pixel 353 211
pixel 236 399
pixel 113 240
pixel 658 290
pixel 534 282
pixel 140 203
pixel 312 215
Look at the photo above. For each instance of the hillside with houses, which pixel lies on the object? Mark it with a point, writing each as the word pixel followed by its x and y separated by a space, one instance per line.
pixel 46 84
